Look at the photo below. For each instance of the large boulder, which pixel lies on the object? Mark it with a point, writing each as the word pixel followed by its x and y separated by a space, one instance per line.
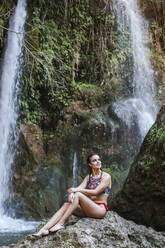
pixel 112 231
pixel 142 198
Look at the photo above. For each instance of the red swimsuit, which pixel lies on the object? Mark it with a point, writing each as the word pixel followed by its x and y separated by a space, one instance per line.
pixel 102 203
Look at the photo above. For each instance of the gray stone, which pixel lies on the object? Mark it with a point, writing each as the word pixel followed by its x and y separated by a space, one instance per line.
pixel 111 232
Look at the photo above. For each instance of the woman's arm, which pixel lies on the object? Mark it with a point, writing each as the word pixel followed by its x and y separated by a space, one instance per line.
pixel 81 186
pixel 105 182
pixel 71 197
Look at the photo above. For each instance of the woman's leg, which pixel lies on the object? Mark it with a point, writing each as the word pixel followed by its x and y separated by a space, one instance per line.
pixel 78 212
pixel 54 219
pixel 89 208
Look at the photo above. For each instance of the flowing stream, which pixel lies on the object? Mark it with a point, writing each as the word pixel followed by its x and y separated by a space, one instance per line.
pixel 9 83
pixel 141 106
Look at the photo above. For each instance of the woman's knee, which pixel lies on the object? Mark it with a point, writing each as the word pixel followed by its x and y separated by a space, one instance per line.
pixel 79 195
pixel 65 205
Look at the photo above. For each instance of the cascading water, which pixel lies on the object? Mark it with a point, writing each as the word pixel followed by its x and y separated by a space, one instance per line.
pixel 74 170
pixel 141 106
pixel 9 85
pixel 10 78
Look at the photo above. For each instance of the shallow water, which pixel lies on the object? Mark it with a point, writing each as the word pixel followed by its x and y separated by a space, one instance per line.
pixel 12 230
pixel 12 238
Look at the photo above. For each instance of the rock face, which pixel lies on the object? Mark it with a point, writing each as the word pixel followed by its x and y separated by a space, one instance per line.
pixel 112 231
pixel 32 136
pixel 43 170
pixel 142 198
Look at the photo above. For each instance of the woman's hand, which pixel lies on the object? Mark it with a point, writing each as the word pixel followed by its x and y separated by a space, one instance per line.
pixel 71 198
pixel 72 190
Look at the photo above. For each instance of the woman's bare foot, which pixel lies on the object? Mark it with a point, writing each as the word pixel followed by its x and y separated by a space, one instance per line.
pixel 41 233
pixel 56 228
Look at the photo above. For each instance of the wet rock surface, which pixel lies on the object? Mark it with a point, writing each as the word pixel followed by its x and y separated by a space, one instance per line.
pixel 142 197
pixel 112 231
pixel 32 136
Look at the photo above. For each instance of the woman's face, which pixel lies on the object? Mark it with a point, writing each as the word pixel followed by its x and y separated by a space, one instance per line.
pixel 95 162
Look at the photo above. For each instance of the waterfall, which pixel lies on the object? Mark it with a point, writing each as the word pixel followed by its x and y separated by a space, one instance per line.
pixel 9 81
pixel 141 106
pixel 74 170
pixel 9 87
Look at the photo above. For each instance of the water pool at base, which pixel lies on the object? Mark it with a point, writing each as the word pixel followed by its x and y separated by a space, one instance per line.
pixel 13 230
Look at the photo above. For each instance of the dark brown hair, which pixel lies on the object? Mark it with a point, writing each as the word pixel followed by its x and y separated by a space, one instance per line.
pixel 89 157
pixel 88 162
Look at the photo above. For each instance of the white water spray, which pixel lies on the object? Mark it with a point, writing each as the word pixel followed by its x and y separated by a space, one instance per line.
pixel 10 78
pixel 75 170
pixel 141 106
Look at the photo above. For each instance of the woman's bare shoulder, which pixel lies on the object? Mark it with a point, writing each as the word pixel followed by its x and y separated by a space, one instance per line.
pixel 87 177
pixel 106 175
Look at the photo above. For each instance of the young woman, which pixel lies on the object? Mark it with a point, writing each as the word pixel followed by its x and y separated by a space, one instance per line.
pixel 89 199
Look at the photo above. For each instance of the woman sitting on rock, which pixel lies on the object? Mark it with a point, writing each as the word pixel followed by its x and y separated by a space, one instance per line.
pixel 89 199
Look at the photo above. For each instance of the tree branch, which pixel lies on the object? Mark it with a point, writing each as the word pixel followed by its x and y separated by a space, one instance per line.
pixel 10 30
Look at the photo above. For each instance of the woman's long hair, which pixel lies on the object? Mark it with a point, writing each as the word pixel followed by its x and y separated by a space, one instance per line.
pixel 88 162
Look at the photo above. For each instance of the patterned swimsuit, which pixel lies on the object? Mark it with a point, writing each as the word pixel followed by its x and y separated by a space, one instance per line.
pixel 93 183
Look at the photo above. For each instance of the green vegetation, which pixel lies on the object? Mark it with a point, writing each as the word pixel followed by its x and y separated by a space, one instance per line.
pixel 6 9
pixel 154 12
pixel 67 244
pixel 150 161
pixel 71 54
pixel 157 134
pixel 115 174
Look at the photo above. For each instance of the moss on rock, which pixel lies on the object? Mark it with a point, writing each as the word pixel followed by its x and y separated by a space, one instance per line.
pixel 142 197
